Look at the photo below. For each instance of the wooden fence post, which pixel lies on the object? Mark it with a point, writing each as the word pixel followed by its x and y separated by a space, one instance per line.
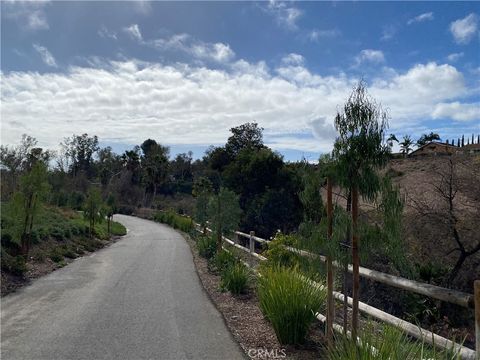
pixel 252 242
pixel 476 286
pixel 330 300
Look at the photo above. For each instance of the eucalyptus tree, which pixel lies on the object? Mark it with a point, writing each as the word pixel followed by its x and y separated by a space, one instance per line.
pixel 359 151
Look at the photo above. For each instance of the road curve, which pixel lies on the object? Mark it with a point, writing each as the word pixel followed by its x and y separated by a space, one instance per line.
pixel 140 298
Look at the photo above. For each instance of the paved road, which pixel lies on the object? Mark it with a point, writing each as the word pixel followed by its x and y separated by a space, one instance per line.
pixel 137 299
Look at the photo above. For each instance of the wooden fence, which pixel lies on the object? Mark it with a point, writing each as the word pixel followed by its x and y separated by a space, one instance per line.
pixel 436 292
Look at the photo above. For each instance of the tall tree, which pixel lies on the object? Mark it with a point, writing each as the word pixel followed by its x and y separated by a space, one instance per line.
pixel 359 151
pixel 202 190
pixel 406 145
pixel 425 138
pixel 80 150
pixel 155 165
pixel 224 213
pixel 27 203
pixel 94 210
pixel 248 135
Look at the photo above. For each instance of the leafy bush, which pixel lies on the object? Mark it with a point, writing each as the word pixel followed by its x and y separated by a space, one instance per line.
pixel 207 246
pixel 289 302
pixel 118 229
pixel 386 342
pixel 235 278
pixel 56 255
pixel 222 261
pixel 277 255
pixel 14 264
pixel 176 221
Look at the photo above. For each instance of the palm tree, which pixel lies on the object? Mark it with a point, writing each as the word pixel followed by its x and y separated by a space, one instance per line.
pixel 391 139
pixel 425 138
pixel 406 145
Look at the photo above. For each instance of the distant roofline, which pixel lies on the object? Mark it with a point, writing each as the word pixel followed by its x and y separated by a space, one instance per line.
pixel 434 142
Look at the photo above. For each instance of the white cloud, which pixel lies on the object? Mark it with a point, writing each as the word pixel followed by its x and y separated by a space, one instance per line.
pixel 369 55
pixel 463 30
pixel 142 7
pixel 107 34
pixel 388 32
pixel 129 101
pixel 457 111
pixel 286 16
pixel 218 52
pixel 30 15
pixel 421 18
pixel 316 35
pixel 454 56
pixel 134 32
pixel 293 59
pixel 46 55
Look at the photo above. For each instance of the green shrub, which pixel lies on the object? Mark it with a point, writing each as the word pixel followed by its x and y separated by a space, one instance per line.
pixel 57 233
pixel 118 229
pixel 68 252
pixel 13 264
pixel 222 261
pixel 176 221
pixel 277 255
pixel 235 278
pixel 289 302
pixel 207 246
pixel 56 255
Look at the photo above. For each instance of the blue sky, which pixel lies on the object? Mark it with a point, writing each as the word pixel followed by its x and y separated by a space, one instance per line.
pixel 184 73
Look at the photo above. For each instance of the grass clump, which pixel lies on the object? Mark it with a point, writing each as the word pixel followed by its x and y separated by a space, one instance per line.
pixel 235 278
pixel 385 342
pixel 221 261
pixel 56 255
pixel 179 222
pixel 289 302
pixel 207 246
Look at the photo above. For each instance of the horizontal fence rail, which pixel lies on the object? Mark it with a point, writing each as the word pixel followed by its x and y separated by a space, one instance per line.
pixel 432 291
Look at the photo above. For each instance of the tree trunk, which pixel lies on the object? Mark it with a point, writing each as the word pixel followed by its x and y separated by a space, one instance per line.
pixel 345 267
pixel 456 268
pixel 355 263
pixel 219 225
pixel 330 299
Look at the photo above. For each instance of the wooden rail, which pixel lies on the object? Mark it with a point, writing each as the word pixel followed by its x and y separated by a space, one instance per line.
pixel 436 292
pixel 433 291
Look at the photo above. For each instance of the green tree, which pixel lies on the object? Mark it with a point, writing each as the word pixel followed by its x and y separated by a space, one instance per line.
pixel 391 139
pixel 202 190
pixel 245 136
pixel 94 210
pixel 425 138
pixel 27 202
pixel 80 151
pixel 406 145
pixel 110 210
pixel 154 164
pixel 359 151
pixel 224 214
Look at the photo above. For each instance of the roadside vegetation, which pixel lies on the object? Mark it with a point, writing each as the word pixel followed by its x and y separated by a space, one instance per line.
pixel 58 205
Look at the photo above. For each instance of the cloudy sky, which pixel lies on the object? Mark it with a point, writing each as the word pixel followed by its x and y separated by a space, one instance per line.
pixel 184 73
